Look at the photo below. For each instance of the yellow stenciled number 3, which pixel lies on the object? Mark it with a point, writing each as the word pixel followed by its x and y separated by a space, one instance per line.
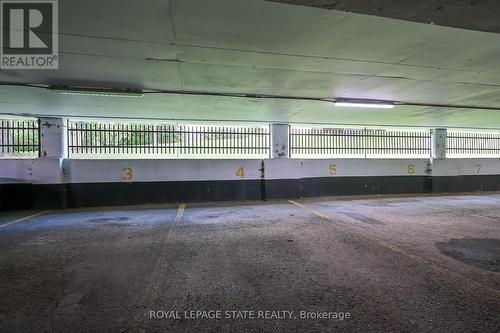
pixel 128 174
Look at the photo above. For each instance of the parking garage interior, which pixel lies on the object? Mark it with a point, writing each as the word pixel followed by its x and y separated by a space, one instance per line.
pixel 248 165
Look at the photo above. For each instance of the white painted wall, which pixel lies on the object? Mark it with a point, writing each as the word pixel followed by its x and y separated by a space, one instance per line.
pixel 37 171
pixel 362 167
pixel 15 170
pixel 462 167
pixel 282 169
pixel 55 171
pixel 47 171
pixel 84 171
pixel 313 168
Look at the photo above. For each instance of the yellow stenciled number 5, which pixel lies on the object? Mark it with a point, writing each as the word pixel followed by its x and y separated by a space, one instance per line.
pixel 128 174
pixel 333 169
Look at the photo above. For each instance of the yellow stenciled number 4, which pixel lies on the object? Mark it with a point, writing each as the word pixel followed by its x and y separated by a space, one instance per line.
pixel 240 172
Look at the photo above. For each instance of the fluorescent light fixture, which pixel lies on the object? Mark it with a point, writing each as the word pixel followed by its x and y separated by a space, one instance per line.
pixel 100 92
pixel 363 103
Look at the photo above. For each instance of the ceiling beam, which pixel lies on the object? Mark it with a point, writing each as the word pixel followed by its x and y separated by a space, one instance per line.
pixel 480 15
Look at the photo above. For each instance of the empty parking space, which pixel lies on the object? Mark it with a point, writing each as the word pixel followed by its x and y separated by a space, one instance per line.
pixel 391 263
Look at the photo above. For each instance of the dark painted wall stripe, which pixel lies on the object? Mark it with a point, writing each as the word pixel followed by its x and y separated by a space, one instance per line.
pixel 29 196
pixel 110 194
pixel 466 183
pixel 313 187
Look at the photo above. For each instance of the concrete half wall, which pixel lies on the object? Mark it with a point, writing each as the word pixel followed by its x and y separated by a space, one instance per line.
pixel 55 183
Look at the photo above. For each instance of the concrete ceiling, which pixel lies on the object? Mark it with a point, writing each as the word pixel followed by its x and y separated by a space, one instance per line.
pixel 260 47
pixel 481 15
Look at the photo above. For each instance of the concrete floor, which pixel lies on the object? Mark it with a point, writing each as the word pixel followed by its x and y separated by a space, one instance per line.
pixel 393 264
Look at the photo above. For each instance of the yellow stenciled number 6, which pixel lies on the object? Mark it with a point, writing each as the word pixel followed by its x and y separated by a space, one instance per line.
pixel 411 169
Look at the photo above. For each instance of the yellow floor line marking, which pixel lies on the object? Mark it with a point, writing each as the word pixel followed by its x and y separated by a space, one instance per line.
pixel 152 288
pixel 311 210
pixel 180 213
pixel 398 249
pixel 24 218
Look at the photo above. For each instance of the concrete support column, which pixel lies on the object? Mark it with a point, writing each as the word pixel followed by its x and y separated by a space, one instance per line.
pixel 48 173
pixel 438 143
pixel 53 138
pixel 280 141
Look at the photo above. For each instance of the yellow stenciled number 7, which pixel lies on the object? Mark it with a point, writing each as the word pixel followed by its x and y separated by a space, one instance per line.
pixel 478 168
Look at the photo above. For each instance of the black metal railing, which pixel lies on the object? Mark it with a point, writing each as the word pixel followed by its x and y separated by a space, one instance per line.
pixel 359 143
pixel 19 138
pixel 473 144
pixel 112 140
